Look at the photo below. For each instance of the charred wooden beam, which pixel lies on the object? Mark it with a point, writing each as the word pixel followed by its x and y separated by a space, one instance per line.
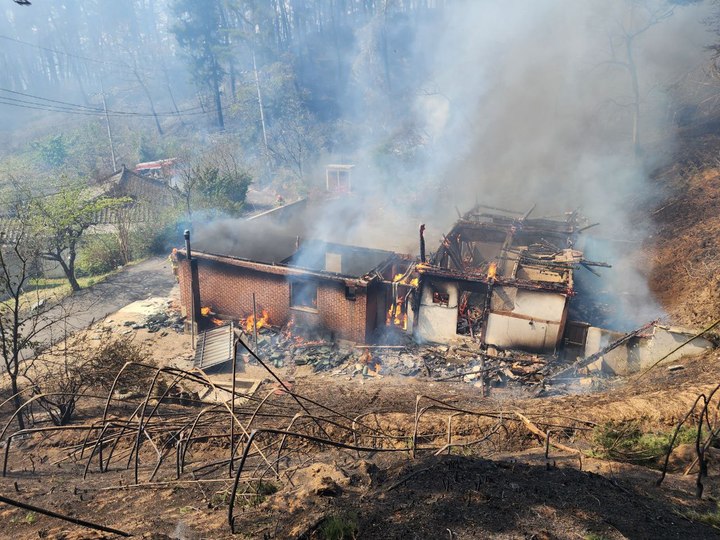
pixel 76 521
pixel 602 352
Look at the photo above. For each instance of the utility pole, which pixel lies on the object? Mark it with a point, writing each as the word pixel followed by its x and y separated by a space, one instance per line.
pixel 262 117
pixel 260 103
pixel 107 124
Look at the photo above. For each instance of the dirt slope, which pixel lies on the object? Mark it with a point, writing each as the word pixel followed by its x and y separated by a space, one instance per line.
pixel 685 251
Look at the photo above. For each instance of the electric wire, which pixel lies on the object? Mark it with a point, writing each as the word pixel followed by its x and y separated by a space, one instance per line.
pixel 74 107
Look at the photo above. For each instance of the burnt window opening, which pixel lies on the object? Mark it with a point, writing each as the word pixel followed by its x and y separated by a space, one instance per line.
pixel 350 292
pixel 576 334
pixel 441 298
pixel 303 294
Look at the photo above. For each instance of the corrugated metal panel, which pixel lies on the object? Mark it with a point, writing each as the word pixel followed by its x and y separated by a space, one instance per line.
pixel 214 347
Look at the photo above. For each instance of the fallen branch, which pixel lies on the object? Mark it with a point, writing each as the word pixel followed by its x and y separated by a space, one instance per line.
pixel 50 513
pixel 537 431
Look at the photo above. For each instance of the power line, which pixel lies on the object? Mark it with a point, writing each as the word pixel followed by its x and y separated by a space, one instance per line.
pixel 50 108
pixel 47 109
pixel 123 65
pixel 64 106
pixel 48 49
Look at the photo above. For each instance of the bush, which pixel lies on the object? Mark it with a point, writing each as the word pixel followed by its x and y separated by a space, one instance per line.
pixel 100 254
pixel 625 441
pixel 52 151
pixel 156 239
pixel 337 527
pixel 104 363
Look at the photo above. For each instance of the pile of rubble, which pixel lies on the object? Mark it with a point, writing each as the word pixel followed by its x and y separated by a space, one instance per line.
pixel 282 348
pixel 498 368
pixel 161 320
pixel 464 361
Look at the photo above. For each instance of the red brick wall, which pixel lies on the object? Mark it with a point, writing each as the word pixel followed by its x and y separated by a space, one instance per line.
pixel 184 277
pixel 346 318
pixel 228 290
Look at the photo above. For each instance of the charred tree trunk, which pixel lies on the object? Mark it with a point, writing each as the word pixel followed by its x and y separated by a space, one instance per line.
pixel 17 401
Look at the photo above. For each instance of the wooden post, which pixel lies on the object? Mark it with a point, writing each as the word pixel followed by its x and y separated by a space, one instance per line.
pixel 255 322
pixel 482 375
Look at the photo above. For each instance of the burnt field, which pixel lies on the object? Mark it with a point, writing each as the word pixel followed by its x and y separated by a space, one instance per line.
pixel 373 456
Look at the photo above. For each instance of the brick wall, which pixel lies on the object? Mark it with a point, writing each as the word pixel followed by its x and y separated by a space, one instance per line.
pixel 184 279
pixel 346 318
pixel 228 290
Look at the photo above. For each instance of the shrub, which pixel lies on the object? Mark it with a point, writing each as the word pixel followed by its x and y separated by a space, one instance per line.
pixel 100 254
pixel 340 527
pixel 624 440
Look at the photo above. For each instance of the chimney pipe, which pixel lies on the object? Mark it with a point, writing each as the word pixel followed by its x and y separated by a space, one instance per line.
pixel 186 235
pixel 422 243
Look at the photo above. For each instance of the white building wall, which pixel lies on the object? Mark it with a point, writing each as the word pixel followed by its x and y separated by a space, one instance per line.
pixel 436 323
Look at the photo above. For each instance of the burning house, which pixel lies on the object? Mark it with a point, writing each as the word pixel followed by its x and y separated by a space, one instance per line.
pixel 503 279
pixel 342 289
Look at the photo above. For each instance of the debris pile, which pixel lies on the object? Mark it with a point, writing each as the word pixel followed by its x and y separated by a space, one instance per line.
pixel 285 348
pixel 493 367
pixel 464 361
pixel 162 320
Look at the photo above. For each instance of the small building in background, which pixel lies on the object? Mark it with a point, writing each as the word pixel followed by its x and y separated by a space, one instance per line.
pixel 338 178
pixel 162 169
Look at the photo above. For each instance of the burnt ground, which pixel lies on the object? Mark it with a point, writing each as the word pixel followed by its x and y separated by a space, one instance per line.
pixel 504 491
pixel 685 251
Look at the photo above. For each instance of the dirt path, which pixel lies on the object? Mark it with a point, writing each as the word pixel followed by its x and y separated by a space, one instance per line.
pixel 152 277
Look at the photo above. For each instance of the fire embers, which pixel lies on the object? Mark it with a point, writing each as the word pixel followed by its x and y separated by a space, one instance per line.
pixel 404 279
pixel 209 318
pixel 397 314
pixel 402 288
pixel 249 324
pixel 369 364
pixel 492 271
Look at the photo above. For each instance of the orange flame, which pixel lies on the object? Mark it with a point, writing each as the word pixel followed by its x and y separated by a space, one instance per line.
pixel 399 279
pixel 492 270
pixel 216 322
pixel 396 316
pixel 205 311
pixel 262 321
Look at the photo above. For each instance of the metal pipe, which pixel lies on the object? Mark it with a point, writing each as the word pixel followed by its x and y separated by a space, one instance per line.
pixel 193 322
pixel 186 235
pixel 422 243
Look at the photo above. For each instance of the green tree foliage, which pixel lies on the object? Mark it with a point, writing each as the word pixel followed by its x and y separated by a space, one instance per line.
pixel 61 220
pixel 21 322
pixel 198 30
pixel 219 190
pixel 52 151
